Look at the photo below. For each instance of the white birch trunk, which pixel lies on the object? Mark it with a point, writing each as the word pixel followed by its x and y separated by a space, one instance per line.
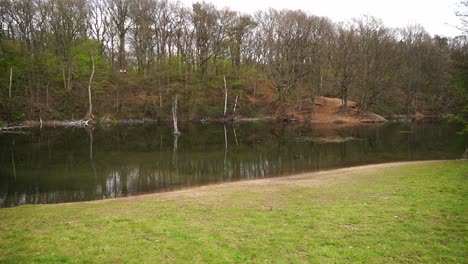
pixel 174 117
pixel 13 165
pixel 235 106
pixel 225 96
pixel 90 85
pixel 235 135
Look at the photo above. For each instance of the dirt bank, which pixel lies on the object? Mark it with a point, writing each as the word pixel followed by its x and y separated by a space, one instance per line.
pixel 328 110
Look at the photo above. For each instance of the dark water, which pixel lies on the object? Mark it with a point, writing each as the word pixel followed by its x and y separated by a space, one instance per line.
pixel 66 164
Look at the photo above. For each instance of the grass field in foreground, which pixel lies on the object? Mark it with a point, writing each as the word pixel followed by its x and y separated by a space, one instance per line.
pixel 386 214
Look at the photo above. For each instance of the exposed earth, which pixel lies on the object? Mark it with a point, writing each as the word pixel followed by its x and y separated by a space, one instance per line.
pixel 329 111
pixel 309 179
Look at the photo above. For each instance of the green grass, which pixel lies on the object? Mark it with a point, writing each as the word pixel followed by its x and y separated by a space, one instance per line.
pixel 412 213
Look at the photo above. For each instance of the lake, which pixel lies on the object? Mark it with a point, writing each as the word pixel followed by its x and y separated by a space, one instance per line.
pixel 55 165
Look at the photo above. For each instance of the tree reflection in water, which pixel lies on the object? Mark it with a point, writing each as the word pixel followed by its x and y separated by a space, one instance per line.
pixel 65 165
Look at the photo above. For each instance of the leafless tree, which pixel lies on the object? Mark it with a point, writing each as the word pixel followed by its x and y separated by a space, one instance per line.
pixel 120 17
pixel 345 60
pixel 286 49
pixel 378 56
pixel 462 13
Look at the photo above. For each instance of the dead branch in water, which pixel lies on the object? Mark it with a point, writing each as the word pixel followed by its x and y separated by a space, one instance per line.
pixel 50 123
pixel 323 140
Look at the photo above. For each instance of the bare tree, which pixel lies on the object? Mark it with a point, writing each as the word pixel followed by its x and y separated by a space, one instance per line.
pixel 377 64
pixel 413 47
pixel 119 14
pixel 141 13
pixel 344 60
pixel 171 49
pixel 462 13
pixel 68 25
pixel 240 28
pixel 286 42
pixel 98 22
pixel 321 40
pixel 204 19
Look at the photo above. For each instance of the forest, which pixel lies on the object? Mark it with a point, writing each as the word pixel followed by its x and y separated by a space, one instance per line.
pixel 73 59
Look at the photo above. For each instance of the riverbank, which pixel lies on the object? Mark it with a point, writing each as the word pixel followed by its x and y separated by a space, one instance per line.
pixel 381 213
pixel 325 112
pixel 120 122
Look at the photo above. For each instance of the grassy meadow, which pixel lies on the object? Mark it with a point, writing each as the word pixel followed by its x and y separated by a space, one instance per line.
pixel 406 213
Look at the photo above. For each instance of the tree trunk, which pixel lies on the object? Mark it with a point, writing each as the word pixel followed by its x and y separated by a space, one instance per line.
pixel 66 78
pixel 235 135
pixel 282 103
pixel 344 96
pixel 174 117
pixel 13 165
pixel 90 84
pixel 11 80
pixel 225 96
pixel 235 106
pixel 69 79
pixel 122 50
pixel 159 85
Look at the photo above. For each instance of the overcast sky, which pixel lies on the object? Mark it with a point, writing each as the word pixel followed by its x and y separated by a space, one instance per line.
pixel 436 16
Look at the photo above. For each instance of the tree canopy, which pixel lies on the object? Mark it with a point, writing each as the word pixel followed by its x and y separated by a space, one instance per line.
pixel 277 61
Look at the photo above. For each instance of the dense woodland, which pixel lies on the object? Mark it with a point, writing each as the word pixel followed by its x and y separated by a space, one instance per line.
pixel 64 59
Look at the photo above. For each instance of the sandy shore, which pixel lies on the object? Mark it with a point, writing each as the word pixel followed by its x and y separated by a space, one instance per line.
pixel 309 179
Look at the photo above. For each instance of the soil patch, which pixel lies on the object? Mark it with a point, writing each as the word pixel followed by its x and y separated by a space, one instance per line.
pixel 328 110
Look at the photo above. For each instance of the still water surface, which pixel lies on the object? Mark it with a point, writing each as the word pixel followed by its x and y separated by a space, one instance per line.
pixel 57 165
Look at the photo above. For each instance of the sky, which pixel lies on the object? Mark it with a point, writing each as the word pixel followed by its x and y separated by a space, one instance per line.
pixel 436 16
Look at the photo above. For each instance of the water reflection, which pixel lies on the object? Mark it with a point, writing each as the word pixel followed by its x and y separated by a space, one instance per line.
pixel 63 165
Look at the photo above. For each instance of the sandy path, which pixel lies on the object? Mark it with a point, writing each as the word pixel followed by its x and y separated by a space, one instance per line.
pixel 310 179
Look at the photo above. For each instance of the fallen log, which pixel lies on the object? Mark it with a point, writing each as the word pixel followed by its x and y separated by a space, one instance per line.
pixel 9 128
pixel 49 123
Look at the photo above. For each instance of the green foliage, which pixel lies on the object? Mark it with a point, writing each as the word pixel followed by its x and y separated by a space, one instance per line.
pixel 386 110
pixel 176 68
pixel 11 58
pixel 460 119
pixel 18 115
pixel 113 121
pixel 47 61
pixel 249 111
pixel 82 58
pixel 210 111
pixel 11 55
